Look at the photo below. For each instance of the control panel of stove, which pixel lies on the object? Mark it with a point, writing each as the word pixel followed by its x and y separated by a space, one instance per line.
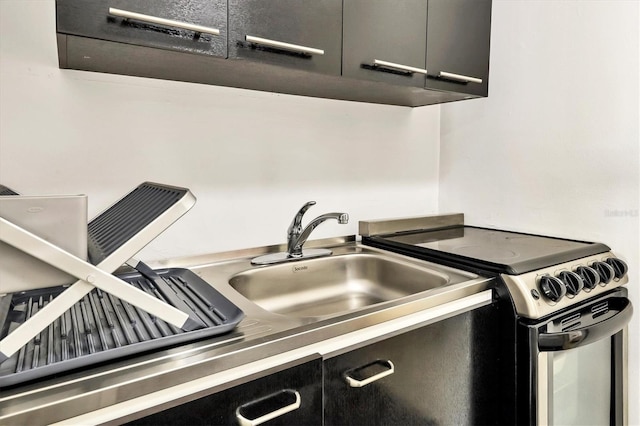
pixel 540 293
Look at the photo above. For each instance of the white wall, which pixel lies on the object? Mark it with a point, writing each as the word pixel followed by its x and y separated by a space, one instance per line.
pixel 554 149
pixel 251 158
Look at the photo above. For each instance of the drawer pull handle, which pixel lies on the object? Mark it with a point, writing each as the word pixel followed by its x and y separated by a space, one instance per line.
pixel 278 396
pixel 355 383
pixel 459 77
pixel 393 65
pixel 161 21
pixel 284 46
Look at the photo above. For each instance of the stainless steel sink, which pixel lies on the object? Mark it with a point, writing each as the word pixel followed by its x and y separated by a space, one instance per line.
pixel 326 286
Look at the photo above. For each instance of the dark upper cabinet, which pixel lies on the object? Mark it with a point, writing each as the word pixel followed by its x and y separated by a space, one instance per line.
pixel 458 39
pixel 385 40
pixel 164 24
pixel 300 35
pixel 292 396
pixel 381 51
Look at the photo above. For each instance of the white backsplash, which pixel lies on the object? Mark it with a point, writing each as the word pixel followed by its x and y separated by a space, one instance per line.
pixel 251 158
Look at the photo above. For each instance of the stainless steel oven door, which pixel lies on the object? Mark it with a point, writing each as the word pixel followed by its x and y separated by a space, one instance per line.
pixel 582 366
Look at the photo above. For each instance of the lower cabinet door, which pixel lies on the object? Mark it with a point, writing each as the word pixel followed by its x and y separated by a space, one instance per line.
pixel 292 396
pixel 423 377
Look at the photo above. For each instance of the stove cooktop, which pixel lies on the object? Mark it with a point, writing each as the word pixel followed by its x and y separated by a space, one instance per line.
pixel 489 250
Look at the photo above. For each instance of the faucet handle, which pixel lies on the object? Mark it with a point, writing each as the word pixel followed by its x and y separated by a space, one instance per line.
pixel 296 223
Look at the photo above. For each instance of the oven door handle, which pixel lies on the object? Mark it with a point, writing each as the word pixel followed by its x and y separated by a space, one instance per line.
pixel 548 342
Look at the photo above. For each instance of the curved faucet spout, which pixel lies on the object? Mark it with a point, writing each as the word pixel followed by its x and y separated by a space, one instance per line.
pixel 296 237
pixel 297 241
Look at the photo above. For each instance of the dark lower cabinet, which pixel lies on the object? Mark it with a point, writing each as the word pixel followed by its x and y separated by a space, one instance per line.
pixel 446 373
pixel 457 371
pixel 292 396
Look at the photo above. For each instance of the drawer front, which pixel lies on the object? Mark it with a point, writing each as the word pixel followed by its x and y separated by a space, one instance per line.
pixel 390 31
pixel 93 19
pixel 289 397
pixel 307 35
pixel 458 41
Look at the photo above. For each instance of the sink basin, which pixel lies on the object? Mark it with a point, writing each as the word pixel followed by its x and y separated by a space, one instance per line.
pixel 330 285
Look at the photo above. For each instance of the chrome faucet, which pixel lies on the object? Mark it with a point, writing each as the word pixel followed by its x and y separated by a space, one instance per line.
pixel 297 236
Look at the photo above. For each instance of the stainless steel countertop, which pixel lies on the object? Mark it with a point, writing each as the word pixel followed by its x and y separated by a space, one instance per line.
pixel 130 388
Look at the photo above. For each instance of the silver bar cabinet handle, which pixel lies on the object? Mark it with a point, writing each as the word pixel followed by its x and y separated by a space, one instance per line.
pixel 161 21
pixel 459 77
pixel 407 68
pixel 243 421
pixel 360 383
pixel 284 46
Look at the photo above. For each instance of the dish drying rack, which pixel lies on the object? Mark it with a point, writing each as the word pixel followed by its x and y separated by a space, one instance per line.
pixel 101 317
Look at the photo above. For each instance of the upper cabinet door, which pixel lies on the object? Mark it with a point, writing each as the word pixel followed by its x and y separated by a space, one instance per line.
pixel 305 35
pixel 197 26
pixel 385 40
pixel 458 39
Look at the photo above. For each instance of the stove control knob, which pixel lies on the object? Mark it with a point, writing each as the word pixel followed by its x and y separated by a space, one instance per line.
pixel 572 282
pixel 605 271
pixel 620 268
pixel 552 287
pixel 590 277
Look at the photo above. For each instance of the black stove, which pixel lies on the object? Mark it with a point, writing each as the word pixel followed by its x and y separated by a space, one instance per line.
pixel 560 314
pixel 543 274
